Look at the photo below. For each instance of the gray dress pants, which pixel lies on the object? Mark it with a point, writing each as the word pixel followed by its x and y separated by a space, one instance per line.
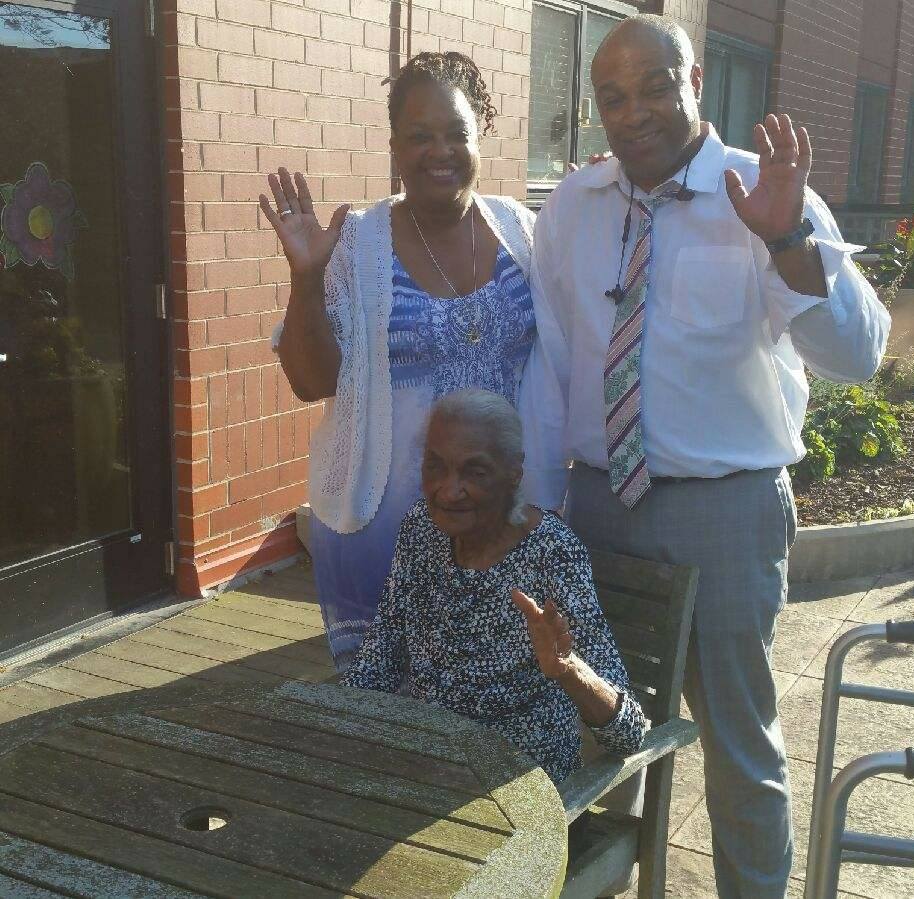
pixel 737 530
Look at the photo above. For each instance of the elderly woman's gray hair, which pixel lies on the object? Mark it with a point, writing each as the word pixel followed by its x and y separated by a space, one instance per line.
pixel 501 423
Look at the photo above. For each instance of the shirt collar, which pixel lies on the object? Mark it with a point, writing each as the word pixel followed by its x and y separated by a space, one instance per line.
pixel 704 173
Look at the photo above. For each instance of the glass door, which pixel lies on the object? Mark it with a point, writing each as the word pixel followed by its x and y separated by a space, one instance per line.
pixel 84 481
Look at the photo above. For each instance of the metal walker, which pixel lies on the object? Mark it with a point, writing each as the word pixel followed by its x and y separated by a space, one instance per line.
pixel 830 843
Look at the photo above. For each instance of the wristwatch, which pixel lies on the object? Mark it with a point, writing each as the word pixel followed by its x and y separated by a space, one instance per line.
pixel 791 240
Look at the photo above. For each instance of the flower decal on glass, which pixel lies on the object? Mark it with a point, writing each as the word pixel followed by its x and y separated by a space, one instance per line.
pixel 39 221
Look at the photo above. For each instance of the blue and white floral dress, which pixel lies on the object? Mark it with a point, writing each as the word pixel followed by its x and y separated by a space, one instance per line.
pixel 436 346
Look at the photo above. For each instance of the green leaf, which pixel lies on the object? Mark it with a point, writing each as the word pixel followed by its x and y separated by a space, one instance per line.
pixel 7 191
pixel 9 250
pixel 869 445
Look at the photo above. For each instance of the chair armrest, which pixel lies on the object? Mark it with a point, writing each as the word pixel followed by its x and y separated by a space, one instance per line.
pixel 586 785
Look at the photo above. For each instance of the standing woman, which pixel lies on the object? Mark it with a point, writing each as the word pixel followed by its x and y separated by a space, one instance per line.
pixel 392 307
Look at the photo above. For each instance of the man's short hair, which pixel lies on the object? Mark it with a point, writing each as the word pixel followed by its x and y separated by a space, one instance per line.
pixel 662 27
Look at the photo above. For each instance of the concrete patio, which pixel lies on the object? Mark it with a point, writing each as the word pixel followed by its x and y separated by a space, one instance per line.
pixel 270 631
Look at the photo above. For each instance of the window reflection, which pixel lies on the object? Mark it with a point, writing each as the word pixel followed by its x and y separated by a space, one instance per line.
pixel 64 473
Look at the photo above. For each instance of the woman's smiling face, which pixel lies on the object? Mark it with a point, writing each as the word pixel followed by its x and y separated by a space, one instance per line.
pixel 467 485
pixel 435 142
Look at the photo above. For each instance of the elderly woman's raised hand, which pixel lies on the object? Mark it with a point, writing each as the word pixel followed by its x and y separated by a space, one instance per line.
pixel 549 634
pixel 307 245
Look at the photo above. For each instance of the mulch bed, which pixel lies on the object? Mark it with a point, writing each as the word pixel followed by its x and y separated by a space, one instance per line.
pixel 845 495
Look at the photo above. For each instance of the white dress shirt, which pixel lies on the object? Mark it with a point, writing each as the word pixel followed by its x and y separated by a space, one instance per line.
pixel 725 339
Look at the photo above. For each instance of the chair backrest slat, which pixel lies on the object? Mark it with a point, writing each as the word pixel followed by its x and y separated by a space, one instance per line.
pixel 649 608
pixel 632 609
pixel 642 671
pixel 648 701
pixel 635 639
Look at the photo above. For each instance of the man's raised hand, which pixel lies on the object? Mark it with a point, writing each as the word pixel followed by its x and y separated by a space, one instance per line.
pixel 774 207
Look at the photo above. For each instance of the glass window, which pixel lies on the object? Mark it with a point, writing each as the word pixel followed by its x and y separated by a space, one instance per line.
pixel 551 92
pixel 564 122
pixel 713 89
pixel 735 90
pixel 866 151
pixel 591 136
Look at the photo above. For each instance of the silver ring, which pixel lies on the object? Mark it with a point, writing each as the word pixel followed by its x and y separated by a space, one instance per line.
pixel 283 213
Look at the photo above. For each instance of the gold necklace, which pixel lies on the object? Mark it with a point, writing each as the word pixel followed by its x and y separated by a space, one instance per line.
pixel 473 333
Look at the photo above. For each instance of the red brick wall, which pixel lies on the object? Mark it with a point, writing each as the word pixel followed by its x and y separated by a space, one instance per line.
pixel 693 16
pixel 814 79
pixel 822 48
pixel 249 85
pixel 751 20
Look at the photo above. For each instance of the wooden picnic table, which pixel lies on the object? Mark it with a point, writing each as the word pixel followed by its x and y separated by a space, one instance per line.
pixel 303 790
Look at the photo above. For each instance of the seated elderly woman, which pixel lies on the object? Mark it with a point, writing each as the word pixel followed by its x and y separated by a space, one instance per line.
pixel 490 609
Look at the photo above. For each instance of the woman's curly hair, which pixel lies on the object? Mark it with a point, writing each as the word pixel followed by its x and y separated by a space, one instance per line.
pixel 454 69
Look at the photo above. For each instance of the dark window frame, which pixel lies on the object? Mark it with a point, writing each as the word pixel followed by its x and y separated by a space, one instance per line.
pixel 853 174
pixel 728 46
pixel 537 191
pixel 907 175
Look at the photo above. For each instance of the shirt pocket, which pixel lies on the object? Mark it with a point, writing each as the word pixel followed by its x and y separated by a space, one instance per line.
pixel 709 286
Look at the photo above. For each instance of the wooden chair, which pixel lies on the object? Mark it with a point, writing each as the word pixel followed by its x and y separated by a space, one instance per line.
pixel 649 607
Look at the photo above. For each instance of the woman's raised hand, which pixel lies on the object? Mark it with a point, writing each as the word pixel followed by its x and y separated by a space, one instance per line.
pixel 307 245
pixel 549 634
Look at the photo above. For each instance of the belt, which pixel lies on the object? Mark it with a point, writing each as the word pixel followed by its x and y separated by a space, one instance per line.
pixel 664 479
pixel 669 479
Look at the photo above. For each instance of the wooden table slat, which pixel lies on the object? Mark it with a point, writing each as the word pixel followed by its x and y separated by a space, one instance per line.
pixel 276 730
pixel 16 889
pixel 314 852
pixel 423 798
pixel 74 875
pixel 372 705
pixel 380 819
pixel 538 849
pixel 383 733
pixel 131 851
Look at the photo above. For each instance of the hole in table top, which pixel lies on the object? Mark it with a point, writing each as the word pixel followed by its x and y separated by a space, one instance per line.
pixel 205 818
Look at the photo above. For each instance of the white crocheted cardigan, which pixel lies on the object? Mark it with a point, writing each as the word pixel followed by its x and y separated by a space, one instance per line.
pixel 350 449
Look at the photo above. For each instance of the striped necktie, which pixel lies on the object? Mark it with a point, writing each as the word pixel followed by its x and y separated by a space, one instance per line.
pixel 628 475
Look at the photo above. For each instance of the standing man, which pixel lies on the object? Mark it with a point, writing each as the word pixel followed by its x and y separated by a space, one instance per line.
pixel 680 287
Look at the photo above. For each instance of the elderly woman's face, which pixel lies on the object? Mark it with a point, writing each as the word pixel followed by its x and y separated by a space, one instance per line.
pixel 467 485
pixel 436 143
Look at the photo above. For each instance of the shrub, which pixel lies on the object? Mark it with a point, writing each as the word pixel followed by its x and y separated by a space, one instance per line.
pixel 895 268
pixel 847 426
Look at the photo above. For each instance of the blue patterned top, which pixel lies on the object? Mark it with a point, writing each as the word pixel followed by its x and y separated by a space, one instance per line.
pixel 478 340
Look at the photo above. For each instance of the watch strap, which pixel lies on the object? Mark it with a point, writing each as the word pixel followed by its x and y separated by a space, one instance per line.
pixel 791 240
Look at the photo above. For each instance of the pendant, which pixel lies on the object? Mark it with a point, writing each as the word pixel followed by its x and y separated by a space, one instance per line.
pixel 473 335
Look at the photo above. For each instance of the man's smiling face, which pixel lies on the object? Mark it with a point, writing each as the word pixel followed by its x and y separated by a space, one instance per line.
pixel 648 100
